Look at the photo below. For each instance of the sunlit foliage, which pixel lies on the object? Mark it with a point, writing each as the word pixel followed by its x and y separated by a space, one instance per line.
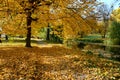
pixel 115 16
pixel 72 13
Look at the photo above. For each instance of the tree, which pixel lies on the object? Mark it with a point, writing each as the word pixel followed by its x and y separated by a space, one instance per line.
pixel 114 32
pixel 103 14
pixel 29 7
pixel 48 32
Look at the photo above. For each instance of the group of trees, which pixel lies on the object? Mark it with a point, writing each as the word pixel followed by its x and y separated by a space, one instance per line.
pixel 77 17
pixel 113 34
pixel 22 15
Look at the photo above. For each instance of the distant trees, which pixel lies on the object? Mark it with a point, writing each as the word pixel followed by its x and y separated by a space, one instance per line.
pixel 103 15
pixel 114 31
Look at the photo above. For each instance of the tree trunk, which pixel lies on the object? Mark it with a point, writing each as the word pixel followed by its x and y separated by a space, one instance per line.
pixel 0 39
pixel 48 32
pixel 105 31
pixel 29 21
pixel 6 37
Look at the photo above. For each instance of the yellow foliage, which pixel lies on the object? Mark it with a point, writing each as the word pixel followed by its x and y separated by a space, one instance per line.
pixel 55 12
pixel 116 15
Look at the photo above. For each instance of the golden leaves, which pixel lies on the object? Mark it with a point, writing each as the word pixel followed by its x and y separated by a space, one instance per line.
pixel 116 15
pixel 54 63
pixel 16 25
pixel 55 12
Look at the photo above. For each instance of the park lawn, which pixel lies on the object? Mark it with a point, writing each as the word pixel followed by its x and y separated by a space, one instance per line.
pixel 54 63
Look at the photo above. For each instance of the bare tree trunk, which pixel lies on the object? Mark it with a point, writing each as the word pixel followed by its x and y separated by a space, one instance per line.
pixel 48 32
pixel 29 21
pixel 105 31
pixel 6 38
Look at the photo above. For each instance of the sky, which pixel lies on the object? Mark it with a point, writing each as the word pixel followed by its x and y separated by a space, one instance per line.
pixel 110 2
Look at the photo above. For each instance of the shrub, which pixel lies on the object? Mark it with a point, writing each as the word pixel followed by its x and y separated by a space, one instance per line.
pixel 92 40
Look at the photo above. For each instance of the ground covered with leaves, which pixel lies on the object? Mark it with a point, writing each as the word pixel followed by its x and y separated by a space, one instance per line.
pixel 54 63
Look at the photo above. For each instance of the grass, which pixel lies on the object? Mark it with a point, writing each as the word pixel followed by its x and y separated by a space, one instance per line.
pixel 93 36
pixel 54 63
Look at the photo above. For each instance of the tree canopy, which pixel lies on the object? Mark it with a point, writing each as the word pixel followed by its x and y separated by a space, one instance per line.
pixel 77 16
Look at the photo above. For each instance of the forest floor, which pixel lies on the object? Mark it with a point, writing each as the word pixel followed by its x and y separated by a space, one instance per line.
pixel 54 63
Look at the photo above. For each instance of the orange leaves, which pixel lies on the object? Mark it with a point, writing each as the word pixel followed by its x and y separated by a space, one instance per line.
pixel 54 63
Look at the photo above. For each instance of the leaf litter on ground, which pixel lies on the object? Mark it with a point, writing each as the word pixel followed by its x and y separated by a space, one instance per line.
pixel 54 63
